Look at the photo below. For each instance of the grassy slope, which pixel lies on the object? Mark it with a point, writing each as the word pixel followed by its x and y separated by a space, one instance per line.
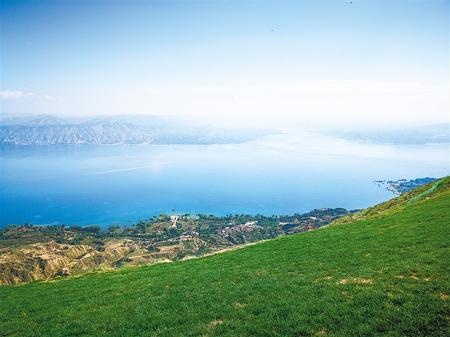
pixel 384 275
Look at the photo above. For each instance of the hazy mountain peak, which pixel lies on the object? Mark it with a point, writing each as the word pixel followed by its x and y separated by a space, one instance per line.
pixel 46 120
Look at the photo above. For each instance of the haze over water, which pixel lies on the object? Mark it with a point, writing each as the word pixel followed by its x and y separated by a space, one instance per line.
pixel 240 64
pixel 279 174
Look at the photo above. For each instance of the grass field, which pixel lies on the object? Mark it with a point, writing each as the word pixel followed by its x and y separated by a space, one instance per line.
pixel 386 273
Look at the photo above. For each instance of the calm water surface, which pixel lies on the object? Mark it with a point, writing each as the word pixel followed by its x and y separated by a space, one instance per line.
pixel 280 174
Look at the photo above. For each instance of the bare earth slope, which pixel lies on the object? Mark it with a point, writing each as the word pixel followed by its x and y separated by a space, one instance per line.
pixel 30 253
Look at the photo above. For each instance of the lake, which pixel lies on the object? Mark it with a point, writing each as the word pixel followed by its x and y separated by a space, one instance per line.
pixel 279 174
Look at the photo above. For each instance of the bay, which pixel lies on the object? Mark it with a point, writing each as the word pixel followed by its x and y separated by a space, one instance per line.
pixel 280 174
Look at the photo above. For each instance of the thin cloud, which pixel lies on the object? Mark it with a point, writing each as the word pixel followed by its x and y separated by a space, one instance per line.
pixel 14 94
pixel 17 94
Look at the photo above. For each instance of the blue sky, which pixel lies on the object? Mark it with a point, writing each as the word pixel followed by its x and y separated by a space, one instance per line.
pixel 265 62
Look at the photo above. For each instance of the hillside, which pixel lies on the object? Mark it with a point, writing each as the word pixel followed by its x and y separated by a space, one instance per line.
pixel 30 253
pixel 382 272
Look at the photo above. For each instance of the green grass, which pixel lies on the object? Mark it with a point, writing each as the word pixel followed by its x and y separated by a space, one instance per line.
pixel 386 274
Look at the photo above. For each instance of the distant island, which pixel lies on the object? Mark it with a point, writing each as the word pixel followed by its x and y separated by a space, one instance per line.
pixel 403 185
pixel 29 252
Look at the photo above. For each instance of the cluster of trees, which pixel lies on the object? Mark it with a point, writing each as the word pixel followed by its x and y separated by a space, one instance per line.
pixel 54 228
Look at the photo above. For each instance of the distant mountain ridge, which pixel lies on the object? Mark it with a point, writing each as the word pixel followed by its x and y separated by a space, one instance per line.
pixel 50 130
pixel 427 134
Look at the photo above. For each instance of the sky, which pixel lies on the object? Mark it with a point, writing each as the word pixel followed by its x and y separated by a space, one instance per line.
pixel 234 63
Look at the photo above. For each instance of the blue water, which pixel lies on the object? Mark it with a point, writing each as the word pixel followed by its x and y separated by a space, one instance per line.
pixel 280 174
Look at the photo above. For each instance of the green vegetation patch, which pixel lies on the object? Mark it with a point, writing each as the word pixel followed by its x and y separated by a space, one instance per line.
pixel 383 275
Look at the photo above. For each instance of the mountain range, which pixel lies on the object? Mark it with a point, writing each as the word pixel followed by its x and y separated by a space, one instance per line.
pixel 50 130
pixel 426 134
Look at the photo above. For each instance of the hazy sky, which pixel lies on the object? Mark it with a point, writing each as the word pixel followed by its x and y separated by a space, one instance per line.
pixel 252 62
